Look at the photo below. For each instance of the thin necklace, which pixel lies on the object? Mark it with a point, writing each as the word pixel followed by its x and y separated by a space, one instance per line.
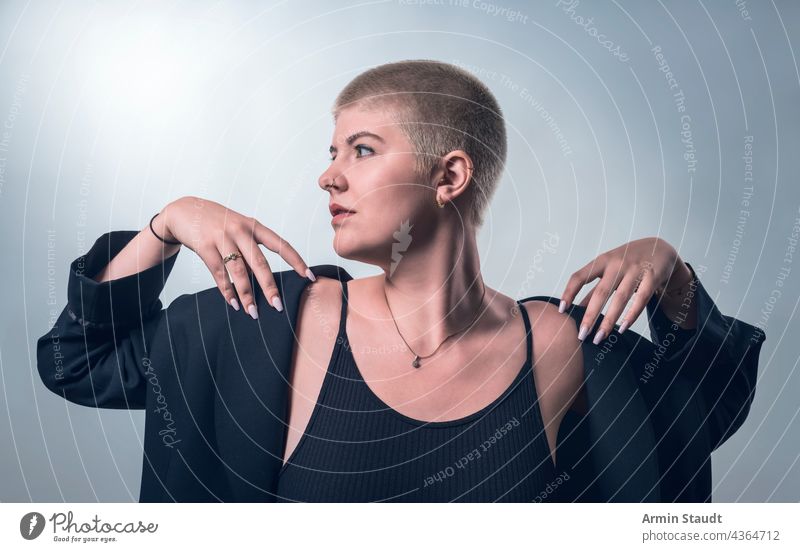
pixel 416 362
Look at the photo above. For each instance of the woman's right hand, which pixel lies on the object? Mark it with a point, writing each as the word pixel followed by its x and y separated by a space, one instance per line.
pixel 213 231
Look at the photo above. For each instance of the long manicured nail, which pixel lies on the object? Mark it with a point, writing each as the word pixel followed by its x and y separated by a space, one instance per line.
pixel 235 303
pixel 583 332
pixel 561 306
pixel 598 337
pixel 253 311
pixel 624 326
pixel 276 302
pixel 311 275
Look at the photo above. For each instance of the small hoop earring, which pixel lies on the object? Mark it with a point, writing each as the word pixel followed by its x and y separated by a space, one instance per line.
pixel 438 201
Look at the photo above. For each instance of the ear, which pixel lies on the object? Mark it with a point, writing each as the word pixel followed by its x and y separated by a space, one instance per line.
pixel 453 175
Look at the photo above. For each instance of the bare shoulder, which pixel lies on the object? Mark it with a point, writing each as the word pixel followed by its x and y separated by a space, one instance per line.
pixel 558 359
pixel 548 322
pixel 320 306
pixel 315 334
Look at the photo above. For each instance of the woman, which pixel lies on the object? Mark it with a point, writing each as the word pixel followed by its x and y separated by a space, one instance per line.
pixel 421 383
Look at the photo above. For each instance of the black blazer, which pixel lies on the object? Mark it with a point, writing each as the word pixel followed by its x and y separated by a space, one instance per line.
pixel 214 385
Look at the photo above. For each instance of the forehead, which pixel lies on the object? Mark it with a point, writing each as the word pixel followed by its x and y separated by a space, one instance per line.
pixel 380 120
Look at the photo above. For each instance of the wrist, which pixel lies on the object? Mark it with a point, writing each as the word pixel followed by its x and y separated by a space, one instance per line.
pixel 679 280
pixel 161 228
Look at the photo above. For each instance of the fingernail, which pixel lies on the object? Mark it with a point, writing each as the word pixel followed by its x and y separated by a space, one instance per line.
pixel 311 275
pixel 561 306
pixel 276 302
pixel 235 303
pixel 624 326
pixel 253 311
pixel 598 337
pixel 583 332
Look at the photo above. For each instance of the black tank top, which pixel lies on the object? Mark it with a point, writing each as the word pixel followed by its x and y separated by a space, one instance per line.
pixel 358 449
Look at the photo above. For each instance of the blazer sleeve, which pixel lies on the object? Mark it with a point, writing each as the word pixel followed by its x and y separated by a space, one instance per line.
pixel 96 354
pixel 719 358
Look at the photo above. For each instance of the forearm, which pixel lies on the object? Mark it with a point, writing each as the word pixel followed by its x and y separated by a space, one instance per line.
pixel 96 352
pixel 142 252
pixel 716 354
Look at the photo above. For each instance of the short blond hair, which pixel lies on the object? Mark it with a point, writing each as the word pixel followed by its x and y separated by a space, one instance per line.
pixel 441 108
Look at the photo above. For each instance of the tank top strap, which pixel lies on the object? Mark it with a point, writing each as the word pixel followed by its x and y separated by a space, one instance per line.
pixel 528 330
pixel 343 314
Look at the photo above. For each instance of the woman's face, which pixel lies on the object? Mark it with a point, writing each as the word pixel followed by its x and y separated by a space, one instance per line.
pixel 372 173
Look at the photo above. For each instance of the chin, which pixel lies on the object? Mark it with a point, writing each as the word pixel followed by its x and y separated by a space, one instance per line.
pixel 352 246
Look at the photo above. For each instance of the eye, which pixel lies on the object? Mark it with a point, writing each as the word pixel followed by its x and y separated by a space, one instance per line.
pixel 362 147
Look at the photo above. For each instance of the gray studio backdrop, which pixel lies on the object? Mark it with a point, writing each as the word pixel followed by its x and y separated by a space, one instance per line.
pixel 626 119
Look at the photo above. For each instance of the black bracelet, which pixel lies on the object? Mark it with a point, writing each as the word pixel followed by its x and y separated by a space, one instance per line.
pixel 159 237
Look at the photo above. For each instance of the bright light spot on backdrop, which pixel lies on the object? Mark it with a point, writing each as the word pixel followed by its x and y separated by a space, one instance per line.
pixel 152 69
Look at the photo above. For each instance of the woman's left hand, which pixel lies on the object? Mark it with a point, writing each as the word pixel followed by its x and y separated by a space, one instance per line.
pixel 636 269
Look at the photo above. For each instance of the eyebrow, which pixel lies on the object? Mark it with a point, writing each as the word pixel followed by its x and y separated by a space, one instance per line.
pixel 355 136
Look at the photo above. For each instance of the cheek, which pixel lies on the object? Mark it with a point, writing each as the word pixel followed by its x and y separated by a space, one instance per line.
pixel 388 192
pixel 393 204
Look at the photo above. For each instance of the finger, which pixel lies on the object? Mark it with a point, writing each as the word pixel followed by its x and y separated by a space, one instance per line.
pixel 621 296
pixel 274 242
pixel 602 291
pixel 579 279
pixel 210 256
pixel 586 299
pixel 641 297
pixel 258 263
pixel 237 268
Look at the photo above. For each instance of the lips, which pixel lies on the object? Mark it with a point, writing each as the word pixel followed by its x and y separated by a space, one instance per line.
pixel 340 216
pixel 337 209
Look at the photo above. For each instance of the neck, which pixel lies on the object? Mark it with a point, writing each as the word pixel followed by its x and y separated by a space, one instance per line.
pixel 436 288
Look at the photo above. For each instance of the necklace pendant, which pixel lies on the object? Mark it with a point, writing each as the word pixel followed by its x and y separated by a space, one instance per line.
pixel 415 362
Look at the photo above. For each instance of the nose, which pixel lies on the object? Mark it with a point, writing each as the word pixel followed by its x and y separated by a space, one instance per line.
pixel 331 178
